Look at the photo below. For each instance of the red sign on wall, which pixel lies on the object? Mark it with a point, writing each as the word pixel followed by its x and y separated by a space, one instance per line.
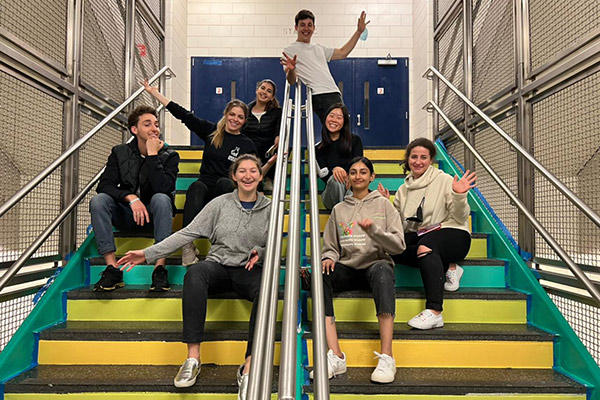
pixel 142 50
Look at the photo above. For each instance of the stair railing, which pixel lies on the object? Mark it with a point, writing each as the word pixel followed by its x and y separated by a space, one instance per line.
pixel 39 241
pixel 575 269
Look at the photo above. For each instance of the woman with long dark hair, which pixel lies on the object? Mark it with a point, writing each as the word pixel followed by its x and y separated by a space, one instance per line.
pixel 334 152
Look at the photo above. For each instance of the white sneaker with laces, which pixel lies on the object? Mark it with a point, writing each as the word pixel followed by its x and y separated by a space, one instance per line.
pixel 385 372
pixel 426 320
pixel 189 254
pixel 453 279
pixel 188 372
pixel 242 381
pixel 335 365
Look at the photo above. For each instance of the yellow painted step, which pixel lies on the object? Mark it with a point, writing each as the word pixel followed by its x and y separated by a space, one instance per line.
pixel 127 396
pixel 190 154
pixel 372 154
pixel 464 354
pixel 71 352
pixel 154 309
pixel 482 311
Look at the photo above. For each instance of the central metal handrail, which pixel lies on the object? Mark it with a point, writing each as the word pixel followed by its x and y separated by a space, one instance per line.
pixel 569 194
pixel 76 146
pixel 579 274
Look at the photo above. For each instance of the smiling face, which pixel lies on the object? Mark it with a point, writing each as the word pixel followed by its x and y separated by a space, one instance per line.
pixel 265 92
pixel 305 29
pixel 419 160
pixel 234 120
pixel 334 122
pixel 146 128
pixel 360 177
pixel 247 175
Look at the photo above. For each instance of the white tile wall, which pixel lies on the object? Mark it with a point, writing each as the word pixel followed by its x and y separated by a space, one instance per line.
pixel 262 28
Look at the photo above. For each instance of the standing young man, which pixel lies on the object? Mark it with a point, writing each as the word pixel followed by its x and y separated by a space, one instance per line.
pixel 308 62
pixel 135 193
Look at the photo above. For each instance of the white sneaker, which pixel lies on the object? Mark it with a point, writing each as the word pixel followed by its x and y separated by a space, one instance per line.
pixel 242 381
pixel 426 320
pixel 189 254
pixel 386 369
pixel 335 365
pixel 187 374
pixel 453 279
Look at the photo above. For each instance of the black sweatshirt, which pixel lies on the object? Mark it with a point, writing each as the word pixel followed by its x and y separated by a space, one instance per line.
pixel 215 162
pixel 331 156
pixel 263 132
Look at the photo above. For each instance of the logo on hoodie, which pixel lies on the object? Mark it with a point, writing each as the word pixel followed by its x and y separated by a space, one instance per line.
pixel 346 230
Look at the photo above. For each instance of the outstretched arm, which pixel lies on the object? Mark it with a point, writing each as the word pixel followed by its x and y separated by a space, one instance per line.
pixel 342 52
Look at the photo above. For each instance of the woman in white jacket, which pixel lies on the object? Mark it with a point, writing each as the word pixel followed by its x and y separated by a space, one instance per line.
pixel 361 234
pixel 434 210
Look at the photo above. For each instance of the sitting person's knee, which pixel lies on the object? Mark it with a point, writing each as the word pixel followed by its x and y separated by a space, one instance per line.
pixel 160 200
pixel 99 202
pixel 423 250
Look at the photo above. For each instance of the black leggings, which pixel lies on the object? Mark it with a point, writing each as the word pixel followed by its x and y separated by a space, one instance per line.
pixel 209 277
pixel 447 246
pixel 199 194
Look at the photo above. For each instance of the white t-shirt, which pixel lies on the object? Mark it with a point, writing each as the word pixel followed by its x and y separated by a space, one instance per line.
pixel 311 66
pixel 258 114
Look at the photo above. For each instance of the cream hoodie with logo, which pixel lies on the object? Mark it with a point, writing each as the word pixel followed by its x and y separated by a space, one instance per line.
pixel 344 241
pixel 442 205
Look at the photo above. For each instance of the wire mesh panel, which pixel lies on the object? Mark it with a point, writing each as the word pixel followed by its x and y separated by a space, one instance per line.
pixel 441 8
pixel 585 321
pixel 38 23
pixel 498 154
pixel 557 25
pixel 147 56
pixel 451 66
pixel 12 314
pixel 493 48
pixel 156 6
pixel 566 141
pixel 456 149
pixel 92 158
pixel 32 138
pixel 103 58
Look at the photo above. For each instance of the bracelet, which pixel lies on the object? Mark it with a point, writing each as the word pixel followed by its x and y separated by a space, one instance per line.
pixel 133 201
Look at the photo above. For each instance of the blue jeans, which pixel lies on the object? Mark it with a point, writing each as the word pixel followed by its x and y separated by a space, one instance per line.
pixel 107 212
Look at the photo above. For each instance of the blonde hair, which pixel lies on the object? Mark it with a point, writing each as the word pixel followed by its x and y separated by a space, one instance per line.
pixel 216 138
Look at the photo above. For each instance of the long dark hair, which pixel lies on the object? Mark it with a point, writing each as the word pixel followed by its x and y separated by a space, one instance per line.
pixel 273 103
pixel 345 135
pixel 419 142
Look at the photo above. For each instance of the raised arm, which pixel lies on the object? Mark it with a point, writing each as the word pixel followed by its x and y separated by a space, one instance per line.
pixel 289 67
pixel 342 52
pixel 153 90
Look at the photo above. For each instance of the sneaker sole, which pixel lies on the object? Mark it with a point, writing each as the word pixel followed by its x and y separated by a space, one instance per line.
pixel 163 289
pixel 383 381
pixel 425 329
pixel 109 289
pixel 185 384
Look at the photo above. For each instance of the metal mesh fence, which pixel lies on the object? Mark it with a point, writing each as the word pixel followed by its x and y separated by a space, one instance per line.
pixel 498 154
pixel 12 314
pixel 442 6
pixel 92 158
pixel 456 149
pixel 147 57
pixel 555 26
pixel 585 321
pixel 575 160
pixel 451 66
pixel 32 138
pixel 103 58
pixel 493 48
pixel 156 6
pixel 39 24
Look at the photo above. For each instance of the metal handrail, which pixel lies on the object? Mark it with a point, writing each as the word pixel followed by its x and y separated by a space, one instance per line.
pixel 579 274
pixel 569 194
pixel 64 156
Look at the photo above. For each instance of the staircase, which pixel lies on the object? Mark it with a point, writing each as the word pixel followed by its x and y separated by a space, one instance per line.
pixel 125 344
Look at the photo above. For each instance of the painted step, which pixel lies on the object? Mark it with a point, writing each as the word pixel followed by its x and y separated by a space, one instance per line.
pixel 473 346
pixel 468 305
pixel 116 382
pixel 456 383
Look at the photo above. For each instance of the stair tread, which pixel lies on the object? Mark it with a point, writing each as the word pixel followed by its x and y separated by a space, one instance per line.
pixel 457 381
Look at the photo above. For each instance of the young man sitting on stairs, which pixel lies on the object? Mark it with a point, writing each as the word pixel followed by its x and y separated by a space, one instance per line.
pixel 135 194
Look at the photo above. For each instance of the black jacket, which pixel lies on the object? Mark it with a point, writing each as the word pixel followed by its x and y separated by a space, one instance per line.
pixel 331 156
pixel 263 133
pixel 127 172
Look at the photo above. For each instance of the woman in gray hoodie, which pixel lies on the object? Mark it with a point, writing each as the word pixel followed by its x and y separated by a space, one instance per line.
pixel 361 234
pixel 236 224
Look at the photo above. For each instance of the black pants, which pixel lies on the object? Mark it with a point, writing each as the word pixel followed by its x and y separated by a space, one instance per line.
pixel 322 102
pixel 199 194
pixel 447 246
pixel 209 277
pixel 379 278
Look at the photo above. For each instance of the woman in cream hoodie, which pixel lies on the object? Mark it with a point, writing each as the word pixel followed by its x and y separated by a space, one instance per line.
pixel 435 213
pixel 361 234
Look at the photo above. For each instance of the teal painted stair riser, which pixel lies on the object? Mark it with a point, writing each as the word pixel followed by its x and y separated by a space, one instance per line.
pixel 571 356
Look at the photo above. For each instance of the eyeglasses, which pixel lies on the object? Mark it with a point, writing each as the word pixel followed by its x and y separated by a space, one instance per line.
pixel 419 216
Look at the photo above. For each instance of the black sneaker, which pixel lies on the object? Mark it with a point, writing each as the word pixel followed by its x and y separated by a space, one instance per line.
pixel 160 279
pixel 112 278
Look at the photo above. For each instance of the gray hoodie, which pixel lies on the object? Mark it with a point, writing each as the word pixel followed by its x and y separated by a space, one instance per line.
pixel 344 241
pixel 232 230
